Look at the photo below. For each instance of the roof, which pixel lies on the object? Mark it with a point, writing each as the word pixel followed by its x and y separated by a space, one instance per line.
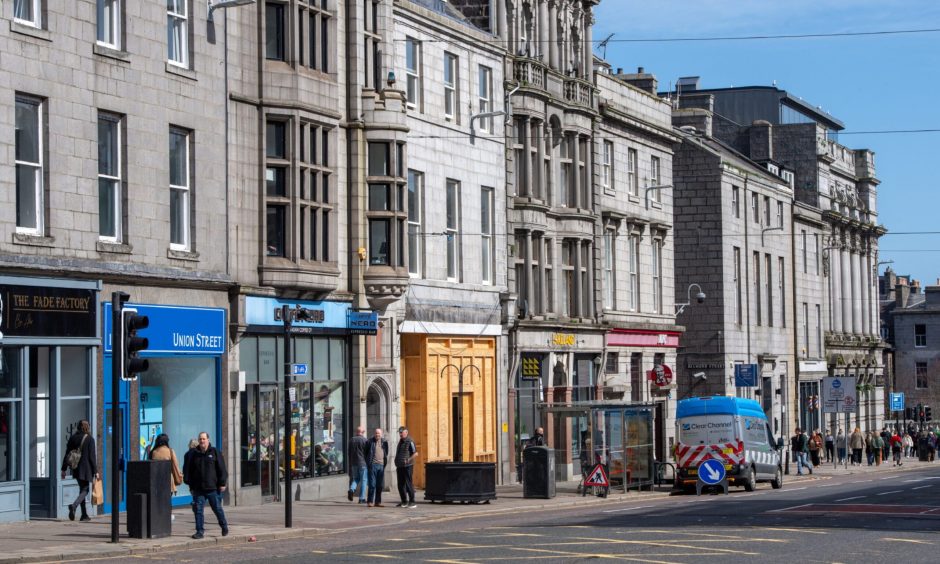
pixel 722 149
pixel 715 405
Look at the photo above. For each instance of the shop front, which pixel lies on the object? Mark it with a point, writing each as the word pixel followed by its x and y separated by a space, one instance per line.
pixel 48 343
pixel 320 399
pixel 180 394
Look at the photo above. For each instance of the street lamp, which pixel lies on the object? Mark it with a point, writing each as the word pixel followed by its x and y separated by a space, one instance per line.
pixel 458 450
pixel 699 297
pixel 649 189
pixel 223 4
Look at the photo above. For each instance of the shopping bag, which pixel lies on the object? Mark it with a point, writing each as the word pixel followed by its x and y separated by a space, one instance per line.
pixel 97 492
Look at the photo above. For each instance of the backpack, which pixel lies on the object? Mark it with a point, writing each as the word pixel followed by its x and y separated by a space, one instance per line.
pixel 74 457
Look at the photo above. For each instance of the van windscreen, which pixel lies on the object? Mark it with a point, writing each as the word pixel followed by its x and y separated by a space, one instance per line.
pixel 706 429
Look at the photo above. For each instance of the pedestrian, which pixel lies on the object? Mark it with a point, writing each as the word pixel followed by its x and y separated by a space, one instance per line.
pixel 377 455
pixel 162 451
pixel 897 444
pixel 908 444
pixel 857 444
pixel 815 446
pixel 358 466
pixel 81 459
pixel 799 444
pixel 830 446
pixel 405 456
pixel 869 453
pixel 886 444
pixel 931 446
pixel 538 439
pixel 205 474
pixel 840 446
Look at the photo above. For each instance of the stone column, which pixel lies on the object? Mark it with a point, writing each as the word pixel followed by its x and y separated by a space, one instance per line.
pixel 865 265
pixel 576 251
pixel 544 293
pixel 575 141
pixel 538 182
pixel 588 46
pixel 835 287
pixel 527 155
pixel 528 271
pixel 845 290
pixel 589 311
pixel 856 291
pixel 544 24
pixel 501 20
pixel 552 34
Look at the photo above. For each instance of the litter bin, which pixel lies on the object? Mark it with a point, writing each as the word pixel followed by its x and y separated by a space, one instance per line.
pixel 923 449
pixel 148 499
pixel 538 472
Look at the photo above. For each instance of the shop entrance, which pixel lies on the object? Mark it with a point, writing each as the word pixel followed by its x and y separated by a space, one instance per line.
pixel 41 452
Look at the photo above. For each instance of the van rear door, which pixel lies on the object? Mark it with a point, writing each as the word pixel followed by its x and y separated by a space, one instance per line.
pixel 704 436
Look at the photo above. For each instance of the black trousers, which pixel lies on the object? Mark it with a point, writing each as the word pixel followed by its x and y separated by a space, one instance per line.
pixel 406 486
pixel 83 489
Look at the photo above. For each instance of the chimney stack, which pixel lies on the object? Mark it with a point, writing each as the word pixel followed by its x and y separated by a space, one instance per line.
pixel 642 80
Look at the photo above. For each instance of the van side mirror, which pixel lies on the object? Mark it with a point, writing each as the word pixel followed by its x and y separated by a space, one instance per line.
pixel 780 443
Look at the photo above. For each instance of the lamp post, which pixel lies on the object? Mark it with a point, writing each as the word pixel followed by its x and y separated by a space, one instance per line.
pixel 648 189
pixel 458 448
pixel 224 4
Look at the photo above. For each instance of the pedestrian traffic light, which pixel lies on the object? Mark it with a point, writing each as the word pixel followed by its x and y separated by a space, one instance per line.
pixel 134 344
pixel 927 415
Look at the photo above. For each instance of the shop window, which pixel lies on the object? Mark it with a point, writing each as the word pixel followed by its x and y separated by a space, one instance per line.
pixel 40 396
pixel 74 391
pixel 11 413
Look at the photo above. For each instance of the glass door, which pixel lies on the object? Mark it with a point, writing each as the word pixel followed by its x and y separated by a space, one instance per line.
pixel 269 439
pixel 41 449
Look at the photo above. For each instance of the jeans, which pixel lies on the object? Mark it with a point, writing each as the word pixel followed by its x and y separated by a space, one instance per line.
pixel 214 497
pixel 406 487
pixel 841 454
pixel 801 462
pixel 359 475
pixel 376 483
pixel 83 488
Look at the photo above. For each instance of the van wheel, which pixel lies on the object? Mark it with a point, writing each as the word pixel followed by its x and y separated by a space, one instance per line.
pixel 751 483
pixel 777 482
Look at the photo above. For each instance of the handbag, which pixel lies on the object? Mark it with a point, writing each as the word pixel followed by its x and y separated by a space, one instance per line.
pixel 74 457
pixel 97 492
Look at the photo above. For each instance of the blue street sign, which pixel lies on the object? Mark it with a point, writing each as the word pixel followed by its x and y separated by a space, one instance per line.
pixel 711 472
pixel 745 375
pixel 298 369
pixel 897 401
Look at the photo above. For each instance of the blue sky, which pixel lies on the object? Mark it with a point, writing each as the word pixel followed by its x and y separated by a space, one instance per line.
pixel 870 83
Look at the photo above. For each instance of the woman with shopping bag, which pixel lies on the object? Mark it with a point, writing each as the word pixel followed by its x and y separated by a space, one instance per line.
pixel 81 459
pixel 162 451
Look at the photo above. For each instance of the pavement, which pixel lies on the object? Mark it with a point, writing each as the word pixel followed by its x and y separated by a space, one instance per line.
pixel 61 540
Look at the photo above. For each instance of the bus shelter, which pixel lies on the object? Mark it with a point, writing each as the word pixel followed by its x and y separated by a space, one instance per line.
pixel 616 434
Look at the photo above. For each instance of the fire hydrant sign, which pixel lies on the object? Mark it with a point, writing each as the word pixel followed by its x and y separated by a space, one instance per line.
pixel 839 394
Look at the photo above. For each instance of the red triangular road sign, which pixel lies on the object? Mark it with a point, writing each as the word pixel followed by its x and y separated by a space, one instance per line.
pixel 597 477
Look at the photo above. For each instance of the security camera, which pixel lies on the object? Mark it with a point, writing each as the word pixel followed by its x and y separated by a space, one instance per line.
pixel 700 297
pixel 700 375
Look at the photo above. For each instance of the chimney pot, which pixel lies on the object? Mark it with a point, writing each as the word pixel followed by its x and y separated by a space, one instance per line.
pixel 639 70
pixel 619 70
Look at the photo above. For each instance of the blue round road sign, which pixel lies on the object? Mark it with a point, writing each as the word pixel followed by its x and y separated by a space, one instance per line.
pixel 836 384
pixel 711 472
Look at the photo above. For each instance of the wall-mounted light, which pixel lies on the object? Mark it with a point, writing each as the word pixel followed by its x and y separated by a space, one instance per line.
pixel 224 4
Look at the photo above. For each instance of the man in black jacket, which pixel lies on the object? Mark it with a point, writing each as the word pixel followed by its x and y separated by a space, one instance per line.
pixel 205 474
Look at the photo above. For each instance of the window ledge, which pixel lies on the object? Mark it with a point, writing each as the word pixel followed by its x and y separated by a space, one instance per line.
pixel 33 240
pixel 111 247
pixel 191 256
pixel 634 199
pixel 111 53
pixel 180 71
pixel 31 31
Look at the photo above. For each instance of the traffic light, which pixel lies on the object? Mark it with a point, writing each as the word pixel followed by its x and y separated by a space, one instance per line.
pixel 134 344
pixel 927 415
pixel 908 413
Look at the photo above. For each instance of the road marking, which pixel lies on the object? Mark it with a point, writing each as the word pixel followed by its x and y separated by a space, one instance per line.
pixel 851 498
pixel 628 509
pixel 808 531
pixel 796 489
pixel 907 540
pixel 790 508
pixel 920 487
pixel 891 492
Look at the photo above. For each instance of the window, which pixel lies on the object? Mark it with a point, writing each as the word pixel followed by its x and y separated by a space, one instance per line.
pixel 657 272
pixel 569 298
pixel 177 29
pixel 634 261
pixel 30 149
pixel 565 174
pixel 548 254
pixel 486 234
pixel 315 199
pixel 452 230
pixel 485 77
pixel 274 44
pixel 779 214
pixel 819 337
pixel 314 35
pixel 636 376
pixel 413 71
pixel 372 41
pixel 803 249
pixel 920 335
pixel 109 177
pixel 768 289
pixel 415 222
pixel 738 313
pixel 276 187
pixel 450 85
pixel 920 373
pixel 387 213
pixel 757 287
pixel 816 253
pixel 607 166
pixel 109 23
pixel 735 202
pixel 180 196
pixel 609 298
pixel 655 179
pixel 781 282
pixel 755 211
pixel 633 183
pixel 805 325
pixel 766 211
pixel 28 12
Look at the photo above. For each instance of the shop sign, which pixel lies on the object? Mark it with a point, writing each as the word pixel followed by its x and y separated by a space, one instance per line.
pixel 323 314
pixel 362 322
pixel 531 368
pixel 661 375
pixel 563 339
pixel 176 329
pixel 43 311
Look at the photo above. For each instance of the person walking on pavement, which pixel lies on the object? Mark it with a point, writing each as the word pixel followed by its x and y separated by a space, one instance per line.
pixel 799 445
pixel 908 445
pixel 205 474
pixel 830 446
pixel 358 466
pixel 886 441
pixel 931 446
pixel 538 439
pixel 857 444
pixel 841 444
pixel 85 470
pixel 869 453
pixel 162 451
pixel 897 444
pixel 377 455
pixel 405 456
pixel 815 445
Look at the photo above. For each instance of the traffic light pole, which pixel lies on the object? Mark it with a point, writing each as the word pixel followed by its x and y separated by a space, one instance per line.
pixel 117 368
pixel 288 493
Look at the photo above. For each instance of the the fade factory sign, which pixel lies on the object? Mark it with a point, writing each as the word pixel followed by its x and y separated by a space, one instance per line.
pixel 42 311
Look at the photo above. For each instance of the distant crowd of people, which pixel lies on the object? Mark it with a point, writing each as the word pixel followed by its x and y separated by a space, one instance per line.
pixel 809 448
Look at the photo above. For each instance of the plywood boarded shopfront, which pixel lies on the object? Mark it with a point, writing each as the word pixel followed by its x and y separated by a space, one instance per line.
pixel 431 393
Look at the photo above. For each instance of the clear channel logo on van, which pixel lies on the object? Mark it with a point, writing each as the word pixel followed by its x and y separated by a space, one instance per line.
pixel 686 427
